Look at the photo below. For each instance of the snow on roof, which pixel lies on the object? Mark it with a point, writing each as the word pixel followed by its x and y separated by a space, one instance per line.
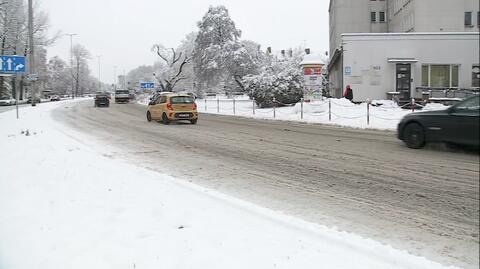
pixel 312 59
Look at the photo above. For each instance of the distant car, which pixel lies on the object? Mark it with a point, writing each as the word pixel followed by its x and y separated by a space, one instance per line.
pixel 7 102
pixel 458 125
pixel 37 100
pixel 102 100
pixel 122 96
pixel 169 107
pixel 54 98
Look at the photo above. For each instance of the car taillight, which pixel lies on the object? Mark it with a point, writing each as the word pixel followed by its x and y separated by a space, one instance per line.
pixel 169 106
pixel 194 106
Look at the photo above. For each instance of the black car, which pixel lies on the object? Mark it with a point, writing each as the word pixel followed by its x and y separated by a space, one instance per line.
pixel 102 100
pixel 37 100
pixel 459 124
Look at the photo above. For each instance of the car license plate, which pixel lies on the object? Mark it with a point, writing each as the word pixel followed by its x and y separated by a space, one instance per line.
pixel 183 115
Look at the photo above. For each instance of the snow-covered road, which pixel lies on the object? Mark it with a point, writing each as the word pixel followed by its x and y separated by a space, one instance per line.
pixel 64 203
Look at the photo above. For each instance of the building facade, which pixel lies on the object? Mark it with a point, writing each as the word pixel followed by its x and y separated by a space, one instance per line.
pixel 397 16
pixel 376 65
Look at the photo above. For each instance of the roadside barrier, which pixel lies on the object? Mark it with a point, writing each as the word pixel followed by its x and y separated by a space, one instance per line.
pixel 329 107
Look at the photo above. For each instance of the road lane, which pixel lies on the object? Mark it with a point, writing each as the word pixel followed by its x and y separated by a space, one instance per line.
pixel 361 181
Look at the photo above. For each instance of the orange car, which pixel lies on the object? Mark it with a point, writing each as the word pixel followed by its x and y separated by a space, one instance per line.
pixel 172 107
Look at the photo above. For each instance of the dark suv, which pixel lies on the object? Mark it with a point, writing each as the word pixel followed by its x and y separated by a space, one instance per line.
pixel 102 100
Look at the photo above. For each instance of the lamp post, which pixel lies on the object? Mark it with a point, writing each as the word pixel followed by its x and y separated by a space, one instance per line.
pixel 114 78
pixel 31 51
pixel 71 60
pixel 99 83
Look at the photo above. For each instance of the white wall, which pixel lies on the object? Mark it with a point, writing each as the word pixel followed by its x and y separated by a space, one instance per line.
pixel 372 76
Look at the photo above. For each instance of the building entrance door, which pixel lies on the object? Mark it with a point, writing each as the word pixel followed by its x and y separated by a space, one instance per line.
pixel 404 76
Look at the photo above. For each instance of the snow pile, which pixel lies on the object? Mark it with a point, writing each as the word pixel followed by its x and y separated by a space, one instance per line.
pixel 383 114
pixel 66 204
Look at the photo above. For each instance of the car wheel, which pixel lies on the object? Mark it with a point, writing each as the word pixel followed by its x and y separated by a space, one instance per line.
pixel 414 136
pixel 149 116
pixel 194 121
pixel 165 119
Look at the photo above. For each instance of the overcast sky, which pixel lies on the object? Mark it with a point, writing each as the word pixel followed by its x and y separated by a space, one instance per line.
pixel 123 31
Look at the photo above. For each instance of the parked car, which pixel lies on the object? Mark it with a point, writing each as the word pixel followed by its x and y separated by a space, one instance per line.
pixel 37 100
pixel 54 98
pixel 7 102
pixel 102 100
pixel 459 124
pixel 172 107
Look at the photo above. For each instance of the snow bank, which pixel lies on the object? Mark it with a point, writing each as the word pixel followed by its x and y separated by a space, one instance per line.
pixel 68 203
pixel 383 114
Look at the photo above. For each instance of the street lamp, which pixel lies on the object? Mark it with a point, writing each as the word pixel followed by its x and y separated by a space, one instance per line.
pixel 99 83
pixel 71 60
pixel 31 50
pixel 114 78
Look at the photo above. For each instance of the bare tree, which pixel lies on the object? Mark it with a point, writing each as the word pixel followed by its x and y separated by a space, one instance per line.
pixel 175 61
pixel 80 69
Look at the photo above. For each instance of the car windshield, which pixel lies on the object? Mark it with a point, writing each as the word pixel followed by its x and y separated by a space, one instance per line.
pixel 181 100
pixel 469 104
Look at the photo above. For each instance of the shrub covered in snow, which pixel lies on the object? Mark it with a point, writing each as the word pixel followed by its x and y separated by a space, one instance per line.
pixel 286 87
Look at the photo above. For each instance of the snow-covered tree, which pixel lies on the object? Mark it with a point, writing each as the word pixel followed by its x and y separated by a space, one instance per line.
pixel 58 76
pixel 80 70
pixel 187 46
pixel 216 40
pixel 280 78
pixel 14 41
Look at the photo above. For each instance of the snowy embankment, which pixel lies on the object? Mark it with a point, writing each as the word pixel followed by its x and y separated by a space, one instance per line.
pixel 383 114
pixel 69 203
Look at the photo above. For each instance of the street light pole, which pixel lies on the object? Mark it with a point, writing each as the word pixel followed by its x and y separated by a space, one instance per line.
pixel 71 61
pixel 31 51
pixel 114 78
pixel 99 83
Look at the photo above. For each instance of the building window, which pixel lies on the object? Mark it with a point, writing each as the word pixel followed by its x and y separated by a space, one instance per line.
pixel 454 76
pixel 381 15
pixel 468 18
pixel 425 75
pixel 440 76
pixel 476 76
pixel 478 18
pixel 373 16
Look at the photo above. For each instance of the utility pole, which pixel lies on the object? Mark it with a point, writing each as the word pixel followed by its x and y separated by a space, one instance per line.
pixel 31 60
pixel 124 80
pixel 71 61
pixel 114 78
pixel 99 83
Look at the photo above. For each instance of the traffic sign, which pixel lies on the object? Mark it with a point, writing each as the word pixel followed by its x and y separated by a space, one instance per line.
pixel 32 77
pixel 147 85
pixel 12 64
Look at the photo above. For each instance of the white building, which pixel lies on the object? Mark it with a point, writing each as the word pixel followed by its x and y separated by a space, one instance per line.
pixel 375 64
pixel 449 18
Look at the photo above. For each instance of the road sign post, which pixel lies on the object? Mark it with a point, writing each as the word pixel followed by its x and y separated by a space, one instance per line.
pixel 147 85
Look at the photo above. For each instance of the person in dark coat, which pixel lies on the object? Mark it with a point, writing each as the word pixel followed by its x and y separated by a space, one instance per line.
pixel 348 94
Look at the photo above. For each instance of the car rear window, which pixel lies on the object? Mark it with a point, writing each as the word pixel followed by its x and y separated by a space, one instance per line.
pixel 121 92
pixel 181 100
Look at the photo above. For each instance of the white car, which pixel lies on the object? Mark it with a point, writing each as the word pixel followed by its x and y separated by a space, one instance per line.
pixel 7 102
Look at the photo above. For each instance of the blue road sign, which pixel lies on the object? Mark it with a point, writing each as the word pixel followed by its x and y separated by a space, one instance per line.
pixel 13 64
pixel 147 85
